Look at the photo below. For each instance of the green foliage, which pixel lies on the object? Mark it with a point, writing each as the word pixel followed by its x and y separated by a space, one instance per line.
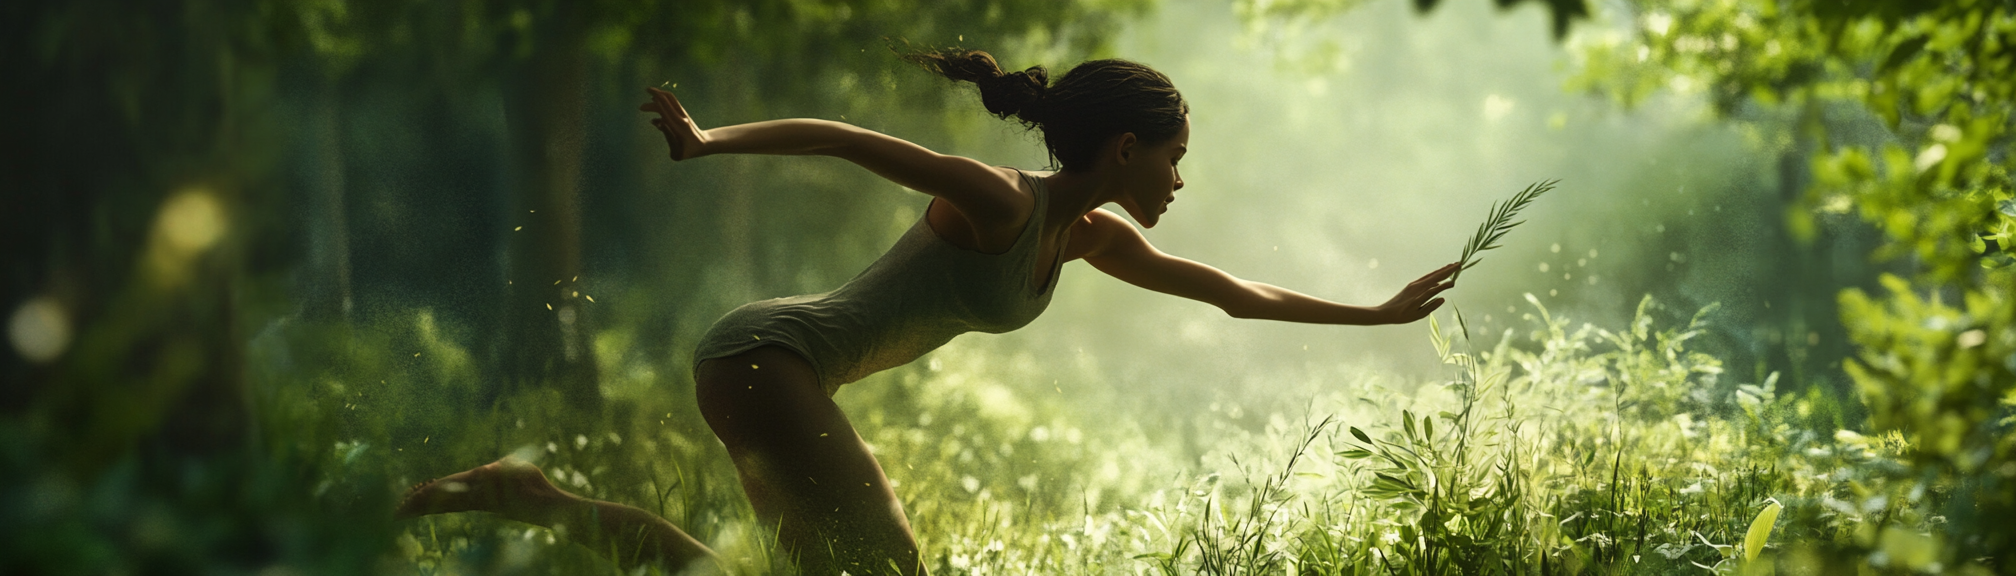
pixel 1560 12
pixel 1933 370
pixel 1562 450
pixel 1940 78
pixel 1534 459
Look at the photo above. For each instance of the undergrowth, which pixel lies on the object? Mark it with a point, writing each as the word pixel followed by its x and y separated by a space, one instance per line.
pixel 1561 449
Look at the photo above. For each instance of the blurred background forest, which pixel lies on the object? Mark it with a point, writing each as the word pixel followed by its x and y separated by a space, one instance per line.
pixel 268 263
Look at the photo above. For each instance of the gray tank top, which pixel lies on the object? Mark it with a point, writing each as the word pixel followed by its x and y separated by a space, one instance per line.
pixel 915 298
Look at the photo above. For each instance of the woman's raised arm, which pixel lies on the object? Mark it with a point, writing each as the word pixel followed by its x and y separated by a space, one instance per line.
pixel 974 187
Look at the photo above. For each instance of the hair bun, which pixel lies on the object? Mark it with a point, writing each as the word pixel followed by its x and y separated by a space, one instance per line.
pixel 1022 94
pixel 1015 93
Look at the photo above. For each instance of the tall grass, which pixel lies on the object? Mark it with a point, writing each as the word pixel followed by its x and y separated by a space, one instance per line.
pixel 1559 449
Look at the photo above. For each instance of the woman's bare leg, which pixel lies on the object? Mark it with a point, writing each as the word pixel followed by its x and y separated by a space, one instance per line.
pixel 806 471
pixel 517 490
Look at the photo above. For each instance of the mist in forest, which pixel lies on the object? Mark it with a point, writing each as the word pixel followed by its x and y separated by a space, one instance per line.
pixel 1347 158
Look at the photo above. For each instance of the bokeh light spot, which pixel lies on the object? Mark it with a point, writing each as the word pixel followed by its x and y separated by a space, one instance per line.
pixel 191 221
pixel 39 330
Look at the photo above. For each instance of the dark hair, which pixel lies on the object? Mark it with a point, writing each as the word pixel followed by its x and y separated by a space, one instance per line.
pixel 1093 102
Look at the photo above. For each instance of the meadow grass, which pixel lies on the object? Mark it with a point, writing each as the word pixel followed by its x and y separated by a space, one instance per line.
pixel 1561 449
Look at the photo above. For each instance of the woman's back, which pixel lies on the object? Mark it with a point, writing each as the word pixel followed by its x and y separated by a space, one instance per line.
pixel 919 295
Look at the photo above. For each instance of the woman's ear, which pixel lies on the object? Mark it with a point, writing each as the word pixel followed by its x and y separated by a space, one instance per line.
pixel 1123 147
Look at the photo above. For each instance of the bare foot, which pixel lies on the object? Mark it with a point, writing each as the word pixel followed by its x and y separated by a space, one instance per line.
pixel 507 486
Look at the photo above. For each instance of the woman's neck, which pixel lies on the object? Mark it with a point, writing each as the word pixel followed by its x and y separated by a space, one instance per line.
pixel 1074 193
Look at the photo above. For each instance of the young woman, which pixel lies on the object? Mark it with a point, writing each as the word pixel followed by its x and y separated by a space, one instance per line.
pixel 985 257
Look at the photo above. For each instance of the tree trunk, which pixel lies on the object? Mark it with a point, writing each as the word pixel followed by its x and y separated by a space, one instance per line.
pixel 327 293
pixel 546 322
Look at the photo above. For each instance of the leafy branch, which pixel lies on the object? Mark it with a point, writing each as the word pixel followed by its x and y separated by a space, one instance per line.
pixel 1499 223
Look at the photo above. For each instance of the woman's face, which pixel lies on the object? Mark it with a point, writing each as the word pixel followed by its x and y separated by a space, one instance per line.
pixel 1152 178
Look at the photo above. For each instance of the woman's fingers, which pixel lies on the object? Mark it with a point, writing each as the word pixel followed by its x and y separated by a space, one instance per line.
pixel 669 103
pixel 1430 307
pixel 1431 278
pixel 1444 272
pixel 681 134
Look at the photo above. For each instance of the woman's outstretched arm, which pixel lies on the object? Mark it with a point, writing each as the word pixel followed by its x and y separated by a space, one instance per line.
pixel 970 185
pixel 1118 249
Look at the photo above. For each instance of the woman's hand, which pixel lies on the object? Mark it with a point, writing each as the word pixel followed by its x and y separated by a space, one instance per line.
pixel 1414 301
pixel 685 138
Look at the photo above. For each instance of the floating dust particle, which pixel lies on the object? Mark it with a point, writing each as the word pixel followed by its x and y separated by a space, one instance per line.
pixel 549 305
pixel 590 298
pixel 416 354
pixel 822 434
pixel 814 480
pixel 517 228
pixel 424 440
pixel 755 367
pixel 576 279
pixel 756 337
pixel 577 294
pixel 556 282
pixel 866 484
pixel 507 282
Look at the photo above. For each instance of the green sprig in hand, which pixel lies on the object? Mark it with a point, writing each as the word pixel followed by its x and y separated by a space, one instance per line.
pixel 1499 223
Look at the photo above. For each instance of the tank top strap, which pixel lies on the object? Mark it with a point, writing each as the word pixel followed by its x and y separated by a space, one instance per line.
pixel 1032 232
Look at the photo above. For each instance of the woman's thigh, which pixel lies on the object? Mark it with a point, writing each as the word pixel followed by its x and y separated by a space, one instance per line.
pixel 802 464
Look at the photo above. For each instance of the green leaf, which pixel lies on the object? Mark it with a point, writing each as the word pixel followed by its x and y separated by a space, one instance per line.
pixel 1760 530
pixel 1903 53
pixel 1360 434
pixel 1909 549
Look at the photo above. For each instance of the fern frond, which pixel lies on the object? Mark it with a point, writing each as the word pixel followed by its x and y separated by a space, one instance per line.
pixel 1499 223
